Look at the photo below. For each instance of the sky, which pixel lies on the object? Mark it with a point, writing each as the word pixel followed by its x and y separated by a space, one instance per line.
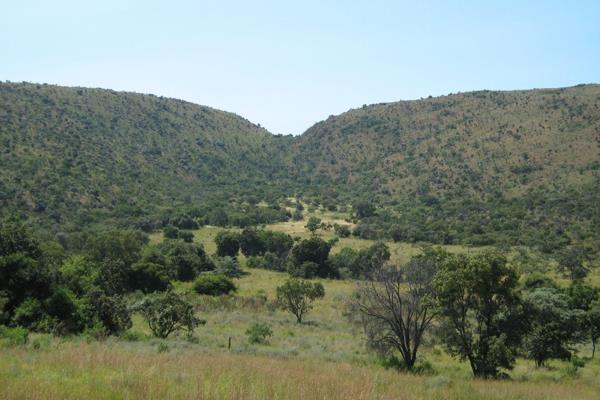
pixel 287 65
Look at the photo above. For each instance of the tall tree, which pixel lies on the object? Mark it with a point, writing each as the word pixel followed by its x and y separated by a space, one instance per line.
pixel 481 310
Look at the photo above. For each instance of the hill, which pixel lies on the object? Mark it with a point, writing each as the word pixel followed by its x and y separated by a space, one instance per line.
pixel 465 143
pixel 76 156
pixel 519 167
pixel 462 166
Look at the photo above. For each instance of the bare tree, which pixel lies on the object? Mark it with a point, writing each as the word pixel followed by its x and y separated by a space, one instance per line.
pixel 395 308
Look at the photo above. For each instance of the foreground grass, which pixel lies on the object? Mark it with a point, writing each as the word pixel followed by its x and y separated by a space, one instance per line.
pixel 114 370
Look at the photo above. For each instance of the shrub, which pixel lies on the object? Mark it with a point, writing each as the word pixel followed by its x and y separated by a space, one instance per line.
pixel 214 285
pixel 228 266
pixel 342 230
pixel 259 332
pixel 13 336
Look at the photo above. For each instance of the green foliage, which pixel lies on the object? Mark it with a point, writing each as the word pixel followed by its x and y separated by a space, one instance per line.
pixel 228 244
pixel 251 243
pixel 572 262
pixel 259 333
pixel 166 313
pixel 13 336
pixel 553 328
pixel 481 310
pixel 228 266
pixel 296 296
pixel 342 230
pixel 214 285
pixel 364 209
pixel 316 251
pixel 184 261
pixel 111 311
pixel 313 224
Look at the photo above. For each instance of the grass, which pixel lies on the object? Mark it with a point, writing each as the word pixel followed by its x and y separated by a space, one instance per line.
pixel 112 370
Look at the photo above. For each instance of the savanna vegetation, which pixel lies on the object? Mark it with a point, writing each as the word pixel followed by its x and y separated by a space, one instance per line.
pixel 442 248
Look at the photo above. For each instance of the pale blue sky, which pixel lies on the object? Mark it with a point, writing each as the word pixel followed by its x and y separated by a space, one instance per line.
pixel 287 65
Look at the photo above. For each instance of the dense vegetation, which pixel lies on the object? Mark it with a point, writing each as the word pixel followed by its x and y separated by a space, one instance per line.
pixel 500 168
pixel 75 157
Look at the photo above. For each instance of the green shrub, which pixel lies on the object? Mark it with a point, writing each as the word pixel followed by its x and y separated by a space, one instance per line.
pixel 259 332
pixel 13 336
pixel 214 285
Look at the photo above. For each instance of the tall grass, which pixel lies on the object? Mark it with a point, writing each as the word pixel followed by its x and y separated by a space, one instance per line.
pixel 111 370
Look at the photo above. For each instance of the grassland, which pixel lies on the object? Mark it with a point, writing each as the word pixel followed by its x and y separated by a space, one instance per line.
pixel 324 358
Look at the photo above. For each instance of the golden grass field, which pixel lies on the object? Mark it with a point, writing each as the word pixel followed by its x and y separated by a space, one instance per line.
pixel 324 358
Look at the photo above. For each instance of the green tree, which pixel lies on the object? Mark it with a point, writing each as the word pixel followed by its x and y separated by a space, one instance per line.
pixel 252 243
pixel 314 250
pixel 166 313
pixel 228 244
pixel 313 224
pixel 185 260
pixel 481 310
pixel 553 325
pixel 592 323
pixel 364 209
pixel 297 296
pixel 572 262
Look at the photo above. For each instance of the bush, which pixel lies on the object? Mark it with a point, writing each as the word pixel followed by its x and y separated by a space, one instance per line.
pixel 13 336
pixel 228 266
pixel 259 332
pixel 214 285
pixel 342 230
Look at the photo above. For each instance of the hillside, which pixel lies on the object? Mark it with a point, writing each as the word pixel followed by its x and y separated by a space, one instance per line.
pixel 519 167
pixel 465 143
pixel 75 156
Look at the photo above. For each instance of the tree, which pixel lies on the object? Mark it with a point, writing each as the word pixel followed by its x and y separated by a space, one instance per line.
pixel 185 260
pixel 297 215
pixel 364 209
pixel 313 224
pixel 111 311
pixel 278 243
pixel 171 232
pixel 572 262
pixel 115 252
pixel 553 325
pixel 344 262
pixel 371 260
pixel 396 308
pixel 342 230
pixel 252 243
pixel 166 313
pixel 296 296
pixel 587 299
pixel 481 310
pixel 227 244
pixel 315 250
pixel 592 322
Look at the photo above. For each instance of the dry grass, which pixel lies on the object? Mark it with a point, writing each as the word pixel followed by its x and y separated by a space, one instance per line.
pixel 111 370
